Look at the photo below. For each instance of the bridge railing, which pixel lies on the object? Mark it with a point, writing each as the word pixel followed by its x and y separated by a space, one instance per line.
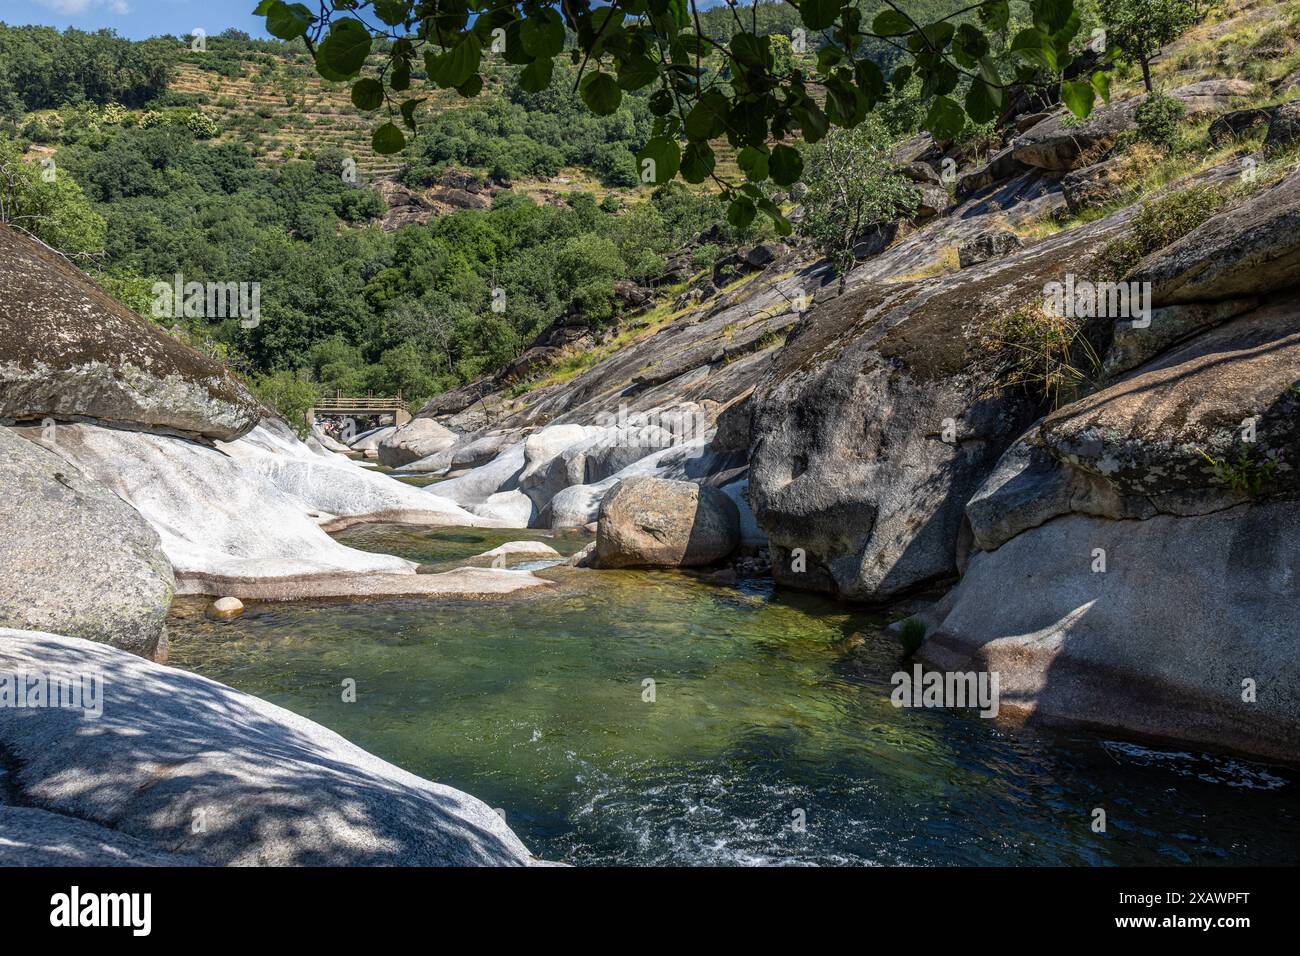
pixel 370 405
pixel 361 404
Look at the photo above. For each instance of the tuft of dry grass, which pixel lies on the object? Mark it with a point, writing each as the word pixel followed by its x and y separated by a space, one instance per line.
pixel 1033 348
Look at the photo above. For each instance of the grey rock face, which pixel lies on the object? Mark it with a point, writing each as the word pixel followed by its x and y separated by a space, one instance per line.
pixel 1250 250
pixel 919 172
pixel 237 523
pixel 1159 643
pixel 477 485
pixel 76 557
pixel 1210 96
pixel 1148 436
pixel 1002 165
pixel 1144 446
pixel 932 201
pixel 1237 122
pixel 993 244
pixel 652 522
pixel 1058 142
pixel 765 253
pixel 1283 126
pixel 1093 185
pixel 1131 346
pixel 185 765
pixel 871 434
pixel 31 837
pixel 419 438
pixel 68 351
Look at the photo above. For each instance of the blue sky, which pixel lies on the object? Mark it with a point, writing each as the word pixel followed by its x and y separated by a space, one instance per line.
pixel 136 19
pixel 139 19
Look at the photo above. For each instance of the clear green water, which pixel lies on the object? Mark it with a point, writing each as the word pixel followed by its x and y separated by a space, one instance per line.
pixel 765 705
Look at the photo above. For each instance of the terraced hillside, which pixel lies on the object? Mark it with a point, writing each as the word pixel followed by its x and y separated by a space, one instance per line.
pixel 280 107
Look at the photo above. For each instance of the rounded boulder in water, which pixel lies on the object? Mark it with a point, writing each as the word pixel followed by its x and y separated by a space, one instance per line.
pixel 226 609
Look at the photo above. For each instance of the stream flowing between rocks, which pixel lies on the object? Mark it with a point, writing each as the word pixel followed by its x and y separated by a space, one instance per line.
pixel 771 737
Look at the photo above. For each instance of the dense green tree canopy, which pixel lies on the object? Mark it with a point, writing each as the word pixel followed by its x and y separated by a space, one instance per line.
pixel 42 68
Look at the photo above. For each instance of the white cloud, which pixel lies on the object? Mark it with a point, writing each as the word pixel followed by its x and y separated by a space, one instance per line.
pixel 69 7
pixel 75 8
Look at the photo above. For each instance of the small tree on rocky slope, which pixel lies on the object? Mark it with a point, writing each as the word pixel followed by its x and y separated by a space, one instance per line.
pixel 1139 28
pixel 852 186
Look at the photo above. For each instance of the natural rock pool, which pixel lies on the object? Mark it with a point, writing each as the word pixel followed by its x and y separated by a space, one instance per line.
pixel 767 710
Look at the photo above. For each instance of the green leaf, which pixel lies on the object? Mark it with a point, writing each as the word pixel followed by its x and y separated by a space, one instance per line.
pixel 937 35
pixel 388 139
pixel 542 34
pixel 980 103
pixel 891 23
pixel 819 14
pixel 741 212
pixel 471 87
pixel 752 51
pixel 1078 95
pixel 514 52
pixel 408 111
pixel 400 78
pixel 995 14
pixel 345 50
pixel 812 121
pixel 845 104
pixel 708 118
pixel 601 93
pixel 367 94
pixel 786 165
pixel 536 76
pixel 697 162
pixel 636 72
pixel 773 212
pixel 753 162
pixel 287 21
pixel 1030 44
pixel 462 62
pixel 945 119
pixel 661 103
pixel 969 45
pixel 1101 83
pixel 1051 15
pixel 392 12
pixel 870 80
pixel 665 156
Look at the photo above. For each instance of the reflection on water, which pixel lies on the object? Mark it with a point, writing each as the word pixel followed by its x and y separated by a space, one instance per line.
pixel 768 710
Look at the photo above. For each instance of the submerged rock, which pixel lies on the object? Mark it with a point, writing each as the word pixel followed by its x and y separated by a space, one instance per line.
pixel 651 522
pixel 76 557
pixel 225 609
pixel 183 765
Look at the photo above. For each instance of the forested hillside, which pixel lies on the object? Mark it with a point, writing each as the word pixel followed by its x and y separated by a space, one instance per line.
pixel 235 162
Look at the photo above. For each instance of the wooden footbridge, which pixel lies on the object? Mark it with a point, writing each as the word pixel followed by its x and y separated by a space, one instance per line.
pixel 343 407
